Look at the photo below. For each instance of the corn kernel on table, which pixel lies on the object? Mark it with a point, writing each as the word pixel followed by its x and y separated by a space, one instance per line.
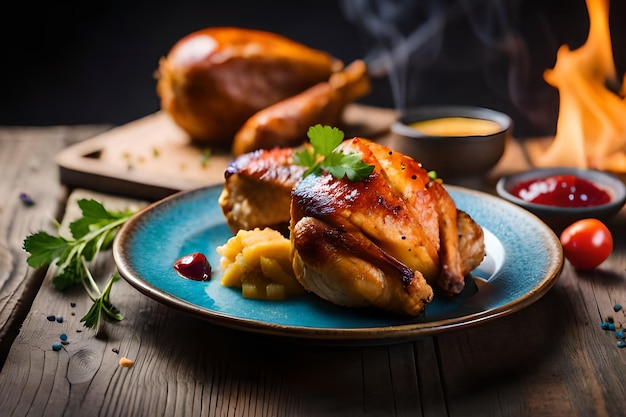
pixel 551 358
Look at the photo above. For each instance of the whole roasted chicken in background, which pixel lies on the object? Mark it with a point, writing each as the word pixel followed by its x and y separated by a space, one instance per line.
pixel 213 80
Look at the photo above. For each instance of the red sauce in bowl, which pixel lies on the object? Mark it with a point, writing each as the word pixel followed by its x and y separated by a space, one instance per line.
pixel 561 191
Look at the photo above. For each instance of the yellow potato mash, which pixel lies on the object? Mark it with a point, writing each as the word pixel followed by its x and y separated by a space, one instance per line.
pixel 259 262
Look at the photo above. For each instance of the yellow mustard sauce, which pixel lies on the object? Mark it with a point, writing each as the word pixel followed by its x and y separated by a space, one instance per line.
pixel 456 126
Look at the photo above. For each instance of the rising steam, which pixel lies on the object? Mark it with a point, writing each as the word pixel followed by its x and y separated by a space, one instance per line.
pixel 410 39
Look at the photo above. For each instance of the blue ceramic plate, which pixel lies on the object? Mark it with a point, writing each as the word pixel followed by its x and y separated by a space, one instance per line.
pixel 524 258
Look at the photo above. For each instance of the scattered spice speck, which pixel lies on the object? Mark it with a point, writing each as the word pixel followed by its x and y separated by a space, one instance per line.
pixel 56 347
pixel 617 327
pixel 115 350
pixel 206 155
pixel 125 362
pixel 26 199
pixel 72 305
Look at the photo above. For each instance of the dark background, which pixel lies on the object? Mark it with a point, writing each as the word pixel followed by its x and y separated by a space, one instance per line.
pixel 74 62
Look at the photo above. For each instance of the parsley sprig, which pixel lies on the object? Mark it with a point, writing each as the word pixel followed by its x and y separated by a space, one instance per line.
pixel 323 155
pixel 92 233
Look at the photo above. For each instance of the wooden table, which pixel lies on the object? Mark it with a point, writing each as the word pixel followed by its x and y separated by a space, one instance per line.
pixel 549 359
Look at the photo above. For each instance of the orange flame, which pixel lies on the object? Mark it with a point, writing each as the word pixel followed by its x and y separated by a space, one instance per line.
pixel 591 125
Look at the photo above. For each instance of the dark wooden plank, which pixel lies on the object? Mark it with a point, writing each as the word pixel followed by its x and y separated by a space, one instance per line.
pixel 428 371
pixel 26 166
pixel 184 365
pixel 551 358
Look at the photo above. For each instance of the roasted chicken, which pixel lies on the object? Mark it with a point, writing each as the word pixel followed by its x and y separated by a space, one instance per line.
pixel 257 190
pixel 286 122
pixel 385 241
pixel 213 80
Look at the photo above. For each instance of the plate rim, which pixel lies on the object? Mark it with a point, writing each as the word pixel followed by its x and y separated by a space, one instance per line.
pixel 341 335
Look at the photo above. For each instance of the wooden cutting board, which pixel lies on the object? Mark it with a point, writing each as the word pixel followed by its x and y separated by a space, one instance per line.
pixel 152 157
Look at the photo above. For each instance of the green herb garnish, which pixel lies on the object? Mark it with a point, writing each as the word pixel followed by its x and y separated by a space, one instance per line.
pixel 323 155
pixel 205 157
pixel 92 233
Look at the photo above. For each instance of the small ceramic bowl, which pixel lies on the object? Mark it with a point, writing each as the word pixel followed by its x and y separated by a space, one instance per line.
pixel 559 217
pixel 454 141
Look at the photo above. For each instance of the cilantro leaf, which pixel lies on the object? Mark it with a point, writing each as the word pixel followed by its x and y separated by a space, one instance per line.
pixel 92 233
pixel 322 154
pixel 94 216
pixel 68 275
pixel 102 306
pixel 350 165
pixel 324 138
pixel 44 249
pixel 308 158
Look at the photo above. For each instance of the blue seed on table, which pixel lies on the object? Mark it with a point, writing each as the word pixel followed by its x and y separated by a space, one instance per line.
pixel 620 334
pixel 621 343
pixel 51 317
pixel 611 326
pixel 63 336
pixel 56 347
pixel 604 325
pixel 60 319
pixel 27 199
pixel 617 307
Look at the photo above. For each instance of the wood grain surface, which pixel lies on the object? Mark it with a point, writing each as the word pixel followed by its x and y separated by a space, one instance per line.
pixel 550 359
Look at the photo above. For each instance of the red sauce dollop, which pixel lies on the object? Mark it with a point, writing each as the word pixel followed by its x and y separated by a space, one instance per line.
pixel 562 191
pixel 194 266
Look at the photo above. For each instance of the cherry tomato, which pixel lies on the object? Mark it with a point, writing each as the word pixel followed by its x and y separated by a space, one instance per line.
pixel 587 243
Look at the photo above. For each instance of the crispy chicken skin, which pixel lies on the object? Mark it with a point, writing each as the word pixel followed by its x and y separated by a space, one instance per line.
pixel 286 122
pixel 257 190
pixel 214 79
pixel 382 241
